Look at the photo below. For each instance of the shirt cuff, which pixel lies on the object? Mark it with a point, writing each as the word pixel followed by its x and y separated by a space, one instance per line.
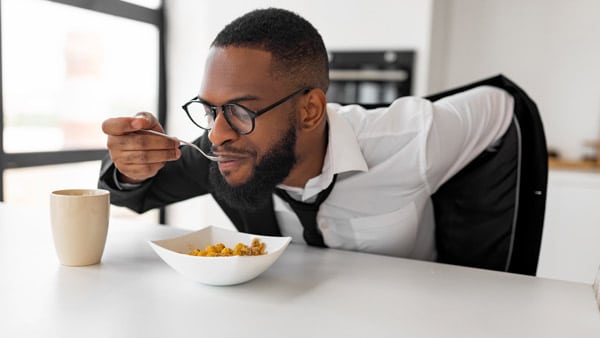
pixel 122 185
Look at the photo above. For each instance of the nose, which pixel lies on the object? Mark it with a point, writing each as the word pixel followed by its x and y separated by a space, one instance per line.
pixel 221 132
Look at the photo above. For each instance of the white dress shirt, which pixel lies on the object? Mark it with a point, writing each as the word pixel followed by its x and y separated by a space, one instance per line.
pixel 389 161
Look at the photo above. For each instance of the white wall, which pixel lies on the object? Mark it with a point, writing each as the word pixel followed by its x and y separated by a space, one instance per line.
pixel 549 47
pixel 344 24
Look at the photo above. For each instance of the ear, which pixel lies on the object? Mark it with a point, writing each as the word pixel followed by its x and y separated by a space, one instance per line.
pixel 314 111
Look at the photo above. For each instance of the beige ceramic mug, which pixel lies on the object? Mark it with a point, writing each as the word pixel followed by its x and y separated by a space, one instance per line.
pixel 79 219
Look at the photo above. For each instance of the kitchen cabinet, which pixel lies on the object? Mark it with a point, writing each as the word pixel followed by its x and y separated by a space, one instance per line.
pixel 571 239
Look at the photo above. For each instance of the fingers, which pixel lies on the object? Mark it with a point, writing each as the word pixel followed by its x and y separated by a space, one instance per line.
pixel 124 125
pixel 137 167
pixel 138 156
pixel 139 141
pixel 146 157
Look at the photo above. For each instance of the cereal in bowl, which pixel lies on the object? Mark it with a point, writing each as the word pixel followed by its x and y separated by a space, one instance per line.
pixel 220 250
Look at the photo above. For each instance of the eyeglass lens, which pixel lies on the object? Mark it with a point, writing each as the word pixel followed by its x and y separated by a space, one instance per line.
pixel 204 116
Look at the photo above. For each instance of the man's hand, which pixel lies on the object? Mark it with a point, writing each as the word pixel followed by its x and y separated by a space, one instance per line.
pixel 138 156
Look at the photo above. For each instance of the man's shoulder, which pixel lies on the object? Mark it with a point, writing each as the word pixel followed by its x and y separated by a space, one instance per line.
pixel 402 113
pixel 381 132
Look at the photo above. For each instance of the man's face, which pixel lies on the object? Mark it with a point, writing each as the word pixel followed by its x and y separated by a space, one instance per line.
pixel 271 170
pixel 263 158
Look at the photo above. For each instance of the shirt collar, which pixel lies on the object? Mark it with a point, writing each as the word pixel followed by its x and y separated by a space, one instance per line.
pixel 343 154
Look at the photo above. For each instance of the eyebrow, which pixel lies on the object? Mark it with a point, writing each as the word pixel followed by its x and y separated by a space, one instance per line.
pixel 234 100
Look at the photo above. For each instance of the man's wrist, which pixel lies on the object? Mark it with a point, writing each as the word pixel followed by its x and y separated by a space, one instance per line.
pixel 121 185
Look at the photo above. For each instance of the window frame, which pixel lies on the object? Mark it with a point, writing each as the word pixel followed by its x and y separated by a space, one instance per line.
pixel 112 7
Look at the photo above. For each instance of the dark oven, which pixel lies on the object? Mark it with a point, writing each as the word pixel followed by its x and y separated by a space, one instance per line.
pixel 369 77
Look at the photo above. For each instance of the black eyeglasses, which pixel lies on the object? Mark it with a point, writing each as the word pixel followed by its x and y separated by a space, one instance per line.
pixel 239 118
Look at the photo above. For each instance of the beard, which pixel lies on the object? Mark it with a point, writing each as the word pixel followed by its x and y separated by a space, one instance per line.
pixel 257 192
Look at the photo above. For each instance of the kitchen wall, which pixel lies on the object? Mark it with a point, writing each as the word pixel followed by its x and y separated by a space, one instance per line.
pixel 549 47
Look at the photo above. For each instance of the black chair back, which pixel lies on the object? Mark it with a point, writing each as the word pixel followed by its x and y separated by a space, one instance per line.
pixel 490 215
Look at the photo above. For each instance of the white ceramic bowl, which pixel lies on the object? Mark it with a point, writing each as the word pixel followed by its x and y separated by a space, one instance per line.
pixel 218 270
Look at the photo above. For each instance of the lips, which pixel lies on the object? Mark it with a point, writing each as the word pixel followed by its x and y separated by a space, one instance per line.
pixel 230 161
pixel 226 157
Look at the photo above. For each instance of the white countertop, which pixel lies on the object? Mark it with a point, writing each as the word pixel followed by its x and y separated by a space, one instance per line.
pixel 308 292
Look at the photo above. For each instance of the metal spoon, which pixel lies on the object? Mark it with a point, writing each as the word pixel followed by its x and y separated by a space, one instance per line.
pixel 210 157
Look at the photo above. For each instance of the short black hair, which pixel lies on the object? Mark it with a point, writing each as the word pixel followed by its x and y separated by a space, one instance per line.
pixel 295 45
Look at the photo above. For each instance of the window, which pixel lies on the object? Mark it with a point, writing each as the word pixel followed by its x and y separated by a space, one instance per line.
pixel 66 66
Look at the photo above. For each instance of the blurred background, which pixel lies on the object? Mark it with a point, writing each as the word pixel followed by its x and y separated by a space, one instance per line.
pixel 69 64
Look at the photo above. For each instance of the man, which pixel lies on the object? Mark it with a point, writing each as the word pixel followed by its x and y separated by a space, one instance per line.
pixel 368 174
